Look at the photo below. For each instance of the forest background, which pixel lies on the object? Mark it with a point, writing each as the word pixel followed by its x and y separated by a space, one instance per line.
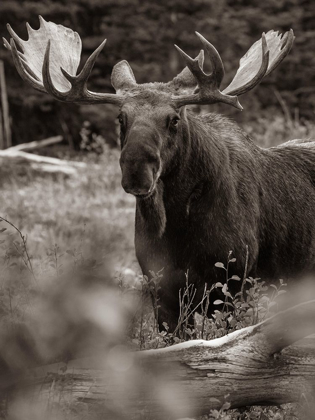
pixel 143 32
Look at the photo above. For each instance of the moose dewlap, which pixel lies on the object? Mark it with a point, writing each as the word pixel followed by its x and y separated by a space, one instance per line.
pixel 202 186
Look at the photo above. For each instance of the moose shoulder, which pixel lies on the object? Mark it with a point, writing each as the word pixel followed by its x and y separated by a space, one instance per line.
pixel 202 186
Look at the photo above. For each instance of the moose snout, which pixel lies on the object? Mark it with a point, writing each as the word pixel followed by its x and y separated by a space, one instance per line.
pixel 140 182
pixel 139 176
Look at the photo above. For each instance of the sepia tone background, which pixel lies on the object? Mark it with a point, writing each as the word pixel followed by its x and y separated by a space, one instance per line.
pixel 66 243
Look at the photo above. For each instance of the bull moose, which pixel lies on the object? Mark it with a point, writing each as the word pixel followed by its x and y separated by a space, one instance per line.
pixel 202 186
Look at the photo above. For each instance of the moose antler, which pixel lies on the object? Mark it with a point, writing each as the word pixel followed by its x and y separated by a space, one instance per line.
pixel 278 47
pixel 49 60
pixel 263 57
pixel 208 84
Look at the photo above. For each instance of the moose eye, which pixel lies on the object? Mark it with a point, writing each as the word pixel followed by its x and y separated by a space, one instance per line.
pixel 174 122
pixel 120 119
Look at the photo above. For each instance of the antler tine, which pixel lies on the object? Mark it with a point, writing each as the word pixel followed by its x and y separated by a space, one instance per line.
pixel 78 91
pixel 23 69
pixel 259 75
pixel 6 44
pixel 286 45
pixel 16 38
pixel 208 84
pixel 217 73
pixel 47 80
pixel 191 63
pixel 83 76
pixel 8 47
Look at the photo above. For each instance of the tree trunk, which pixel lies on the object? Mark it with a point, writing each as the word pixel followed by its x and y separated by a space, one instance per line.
pixel 5 108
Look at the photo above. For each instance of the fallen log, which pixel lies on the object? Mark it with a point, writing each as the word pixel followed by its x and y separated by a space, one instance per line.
pixel 42 163
pixel 33 145
pixel 254 366
pixel 39 159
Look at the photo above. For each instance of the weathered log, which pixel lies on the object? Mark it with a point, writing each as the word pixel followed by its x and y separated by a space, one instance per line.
pixel 253 366
pixel 42 163
pixel 39 159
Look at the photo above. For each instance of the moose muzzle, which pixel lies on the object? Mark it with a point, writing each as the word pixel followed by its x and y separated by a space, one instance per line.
pixel 140 171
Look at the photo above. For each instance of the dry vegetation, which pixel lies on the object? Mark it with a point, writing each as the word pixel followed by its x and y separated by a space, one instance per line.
pixel 87 213
pixel 79 236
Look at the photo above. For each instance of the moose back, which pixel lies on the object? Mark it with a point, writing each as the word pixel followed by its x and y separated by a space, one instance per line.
pixel 202 186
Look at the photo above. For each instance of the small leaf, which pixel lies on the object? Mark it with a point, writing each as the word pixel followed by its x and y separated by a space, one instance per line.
pixel 215 414
pixel 220 265
pixel 218 302
pixel 232 323
pixel 233 260
pixel 226 406
pixel 214 400
pixel 165 325
pixel 218 284
pixel 235 278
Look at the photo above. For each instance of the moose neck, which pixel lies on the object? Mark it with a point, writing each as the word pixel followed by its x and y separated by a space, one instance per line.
pixel 200 166
pixel 203 153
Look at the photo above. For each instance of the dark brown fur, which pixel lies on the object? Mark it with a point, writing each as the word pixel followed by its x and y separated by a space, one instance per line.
pixel 218 191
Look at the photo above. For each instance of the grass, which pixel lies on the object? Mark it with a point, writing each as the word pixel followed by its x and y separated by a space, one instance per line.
pixel 89 211
pixel 73 225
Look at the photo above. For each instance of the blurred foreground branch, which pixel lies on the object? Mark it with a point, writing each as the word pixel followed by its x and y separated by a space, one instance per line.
pixel 252 366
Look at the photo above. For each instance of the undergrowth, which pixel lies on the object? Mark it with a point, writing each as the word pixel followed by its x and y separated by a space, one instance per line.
pixel 20 289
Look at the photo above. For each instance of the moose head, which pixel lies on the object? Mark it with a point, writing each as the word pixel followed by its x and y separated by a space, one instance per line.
pixel 152 114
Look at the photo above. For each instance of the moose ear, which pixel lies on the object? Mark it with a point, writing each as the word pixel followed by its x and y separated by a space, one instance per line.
pixel 122 76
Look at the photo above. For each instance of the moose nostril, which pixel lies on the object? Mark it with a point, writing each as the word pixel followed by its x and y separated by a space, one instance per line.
pixel 137 191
